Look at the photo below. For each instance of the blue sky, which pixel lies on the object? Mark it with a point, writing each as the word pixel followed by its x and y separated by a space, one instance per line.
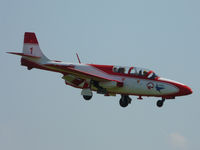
pixel 38 111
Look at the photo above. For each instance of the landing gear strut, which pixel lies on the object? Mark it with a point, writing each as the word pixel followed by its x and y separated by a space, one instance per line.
pixel 124 101
pixel 100 90
pixel 160 102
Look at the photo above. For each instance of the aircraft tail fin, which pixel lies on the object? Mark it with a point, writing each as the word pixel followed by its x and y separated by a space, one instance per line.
pixel 31 46
pixel 31 53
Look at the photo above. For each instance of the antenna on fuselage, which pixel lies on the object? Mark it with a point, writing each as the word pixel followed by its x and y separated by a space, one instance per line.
pixel 78 58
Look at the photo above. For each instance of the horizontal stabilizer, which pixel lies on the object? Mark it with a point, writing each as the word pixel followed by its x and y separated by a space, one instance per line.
pixel 22 54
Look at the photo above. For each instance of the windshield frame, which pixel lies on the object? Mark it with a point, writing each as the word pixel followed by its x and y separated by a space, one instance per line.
pixel 135 72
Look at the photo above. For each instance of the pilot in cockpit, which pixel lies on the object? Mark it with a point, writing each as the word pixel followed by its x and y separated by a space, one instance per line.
pixel 145 73
pixel 140 73
pixel 121 70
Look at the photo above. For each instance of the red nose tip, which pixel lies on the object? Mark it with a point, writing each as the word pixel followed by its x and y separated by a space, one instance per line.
pixel 185 90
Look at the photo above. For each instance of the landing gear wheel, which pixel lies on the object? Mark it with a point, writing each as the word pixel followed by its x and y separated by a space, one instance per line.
pixel 160 102
pixel 86 97
pixel 123 102
pixel 87 93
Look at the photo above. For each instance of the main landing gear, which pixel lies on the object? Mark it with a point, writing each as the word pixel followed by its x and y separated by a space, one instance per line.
pixel 87 94
pixel 160 102
pixel 124 101
pixel 86 97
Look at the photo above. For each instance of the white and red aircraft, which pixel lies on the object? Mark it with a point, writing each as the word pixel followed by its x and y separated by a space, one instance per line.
pixel 104 79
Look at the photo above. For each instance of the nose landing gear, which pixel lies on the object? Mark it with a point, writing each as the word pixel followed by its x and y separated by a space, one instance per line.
pixel 160 102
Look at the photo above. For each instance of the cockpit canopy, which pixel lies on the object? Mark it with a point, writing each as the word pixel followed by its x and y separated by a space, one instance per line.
pixel 135 71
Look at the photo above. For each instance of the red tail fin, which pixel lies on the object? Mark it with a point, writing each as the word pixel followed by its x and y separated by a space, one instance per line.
pixel 31 47
pixel 29 37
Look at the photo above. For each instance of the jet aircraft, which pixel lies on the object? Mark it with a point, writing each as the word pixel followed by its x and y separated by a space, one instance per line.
pixel 104 79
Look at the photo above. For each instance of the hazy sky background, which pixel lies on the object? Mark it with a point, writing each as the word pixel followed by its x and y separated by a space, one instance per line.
pixel 38 111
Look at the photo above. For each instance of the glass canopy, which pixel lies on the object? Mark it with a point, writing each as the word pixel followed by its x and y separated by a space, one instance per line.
pixel 135 71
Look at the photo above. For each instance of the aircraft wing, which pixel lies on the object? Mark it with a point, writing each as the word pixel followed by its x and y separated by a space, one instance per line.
pixel 90 73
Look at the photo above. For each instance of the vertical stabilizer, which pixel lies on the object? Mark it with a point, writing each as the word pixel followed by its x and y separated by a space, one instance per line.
pixel 31 46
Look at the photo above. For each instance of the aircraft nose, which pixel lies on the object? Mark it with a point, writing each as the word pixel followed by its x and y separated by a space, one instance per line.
pixel 182 88
pixel 185 90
